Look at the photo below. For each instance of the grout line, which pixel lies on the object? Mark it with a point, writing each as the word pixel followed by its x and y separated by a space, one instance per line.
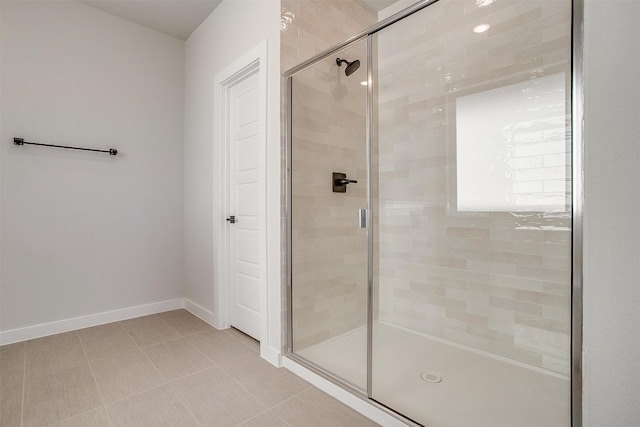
pixel 155 367
pixel 167 381
pixel 294 396
pixel 135 394
pixel 77 415
pixel 93 375
pixel 184 403
pixel 208 327
pixel 180 398
pixel 254 417
pixel 196 333
pixel 24 384
pixel 95 381
pixel 218 363
pixel 262 413
pixel 130 336
pixel 238 357
pixel 280 418
pixel 203 354
pixel 180 335
pixel 141 350
pixel 169 324
pixel 192 374
pixel 164 342
pixel 48 347
pixel 247 390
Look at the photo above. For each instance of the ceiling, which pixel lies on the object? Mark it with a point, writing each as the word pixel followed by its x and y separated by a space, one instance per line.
pixel 177 18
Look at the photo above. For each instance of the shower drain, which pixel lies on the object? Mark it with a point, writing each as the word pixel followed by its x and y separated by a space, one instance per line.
pixel 431 377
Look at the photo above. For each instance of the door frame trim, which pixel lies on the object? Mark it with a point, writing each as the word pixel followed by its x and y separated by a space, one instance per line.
pixel 250 63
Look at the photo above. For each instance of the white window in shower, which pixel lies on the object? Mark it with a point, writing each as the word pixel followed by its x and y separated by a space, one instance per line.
pixel 512 148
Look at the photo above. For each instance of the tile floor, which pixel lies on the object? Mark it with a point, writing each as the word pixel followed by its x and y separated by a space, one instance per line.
pixel 168 369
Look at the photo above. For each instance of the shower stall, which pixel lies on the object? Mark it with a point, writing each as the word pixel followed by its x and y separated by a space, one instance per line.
pixel 432 215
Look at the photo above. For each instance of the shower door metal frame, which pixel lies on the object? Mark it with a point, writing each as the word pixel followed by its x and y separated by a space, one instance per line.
pixel 577 199
pixel 577 196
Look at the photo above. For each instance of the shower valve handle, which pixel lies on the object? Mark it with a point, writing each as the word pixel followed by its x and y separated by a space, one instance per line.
pixel 345 181
pixel 339 182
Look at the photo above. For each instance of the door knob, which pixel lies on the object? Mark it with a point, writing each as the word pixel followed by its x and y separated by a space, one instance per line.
pixel 232 219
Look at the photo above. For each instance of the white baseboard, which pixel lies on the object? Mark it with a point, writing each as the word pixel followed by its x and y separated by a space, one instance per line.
pixel 66 325
pixel 201 312
pixel 365 408
pixel 271 355
pixel 11 336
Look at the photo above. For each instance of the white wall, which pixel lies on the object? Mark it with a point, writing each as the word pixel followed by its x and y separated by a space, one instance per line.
pixel 234 27
pixel 85 233
pixel 612 209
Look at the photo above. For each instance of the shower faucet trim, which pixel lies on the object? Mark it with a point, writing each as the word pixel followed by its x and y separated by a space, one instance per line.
pixel 340 181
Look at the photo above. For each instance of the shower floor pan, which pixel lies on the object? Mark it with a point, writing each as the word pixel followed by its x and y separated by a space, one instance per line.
pixel 475 390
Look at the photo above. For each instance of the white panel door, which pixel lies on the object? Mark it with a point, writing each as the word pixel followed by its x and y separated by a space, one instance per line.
pixel 245 183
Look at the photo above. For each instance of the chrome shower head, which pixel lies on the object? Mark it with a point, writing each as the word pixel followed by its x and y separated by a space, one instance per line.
pixel 351 66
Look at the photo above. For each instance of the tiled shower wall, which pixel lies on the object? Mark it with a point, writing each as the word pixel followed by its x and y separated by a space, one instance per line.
pixel 329 266
pixel 308 27
pixel 496 281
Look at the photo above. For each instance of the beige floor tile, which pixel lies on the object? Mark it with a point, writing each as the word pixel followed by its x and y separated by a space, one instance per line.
pixel 106 340
pixel 246 366
pixel 58 396
pixel 12 366
pixel 245 339
pixel 176 359
pixel 270 384
pixel 170 312
pixel 157 407
pixel 217 400
pixel 219 346
pixel 150 330
pixel 62 387
pixel 266 419
pixel 54 353
pixel 100 329
pixel 124 375
pixel 10 404
pixel 315 408
pixel 185 323
pixel 95 418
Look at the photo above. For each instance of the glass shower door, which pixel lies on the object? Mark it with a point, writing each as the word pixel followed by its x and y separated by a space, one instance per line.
pixel 328 248
pixel 472 208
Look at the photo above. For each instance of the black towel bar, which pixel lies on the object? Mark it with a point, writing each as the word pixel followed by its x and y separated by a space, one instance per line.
pixel 21 141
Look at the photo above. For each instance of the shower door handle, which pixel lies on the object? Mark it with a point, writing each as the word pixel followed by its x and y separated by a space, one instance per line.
pixel 363 218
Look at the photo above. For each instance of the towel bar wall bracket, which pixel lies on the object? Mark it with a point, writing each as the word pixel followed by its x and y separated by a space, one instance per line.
pixel 21 141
